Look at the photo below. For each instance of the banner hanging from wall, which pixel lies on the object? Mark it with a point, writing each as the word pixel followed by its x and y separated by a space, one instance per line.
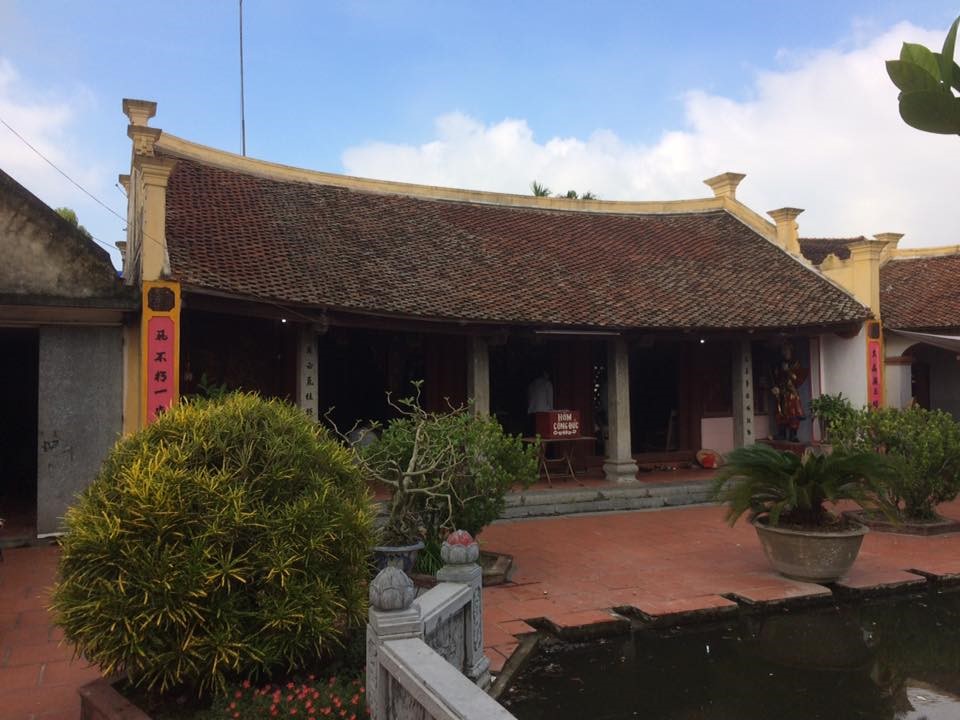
pixel 160 347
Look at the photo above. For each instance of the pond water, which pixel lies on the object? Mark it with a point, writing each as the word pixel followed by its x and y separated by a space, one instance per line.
pixel 896 659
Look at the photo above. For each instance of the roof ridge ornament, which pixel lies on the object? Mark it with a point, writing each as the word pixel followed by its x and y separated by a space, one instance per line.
pixel 788 231
pixel 725 184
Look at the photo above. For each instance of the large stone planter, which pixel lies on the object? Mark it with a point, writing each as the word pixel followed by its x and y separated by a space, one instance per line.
pixel 819 557
pixel 403 557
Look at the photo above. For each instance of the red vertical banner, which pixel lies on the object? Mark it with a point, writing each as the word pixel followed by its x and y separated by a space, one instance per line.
pixel 161 345
pixel 874 372
pixel 159 348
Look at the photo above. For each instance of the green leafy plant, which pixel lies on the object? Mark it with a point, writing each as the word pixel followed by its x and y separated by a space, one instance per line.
pixel 924 444
pixel 227 540
pixel 447 470
pixel 787 488
pixel 829 410
pixel 927 81
pixel 209 389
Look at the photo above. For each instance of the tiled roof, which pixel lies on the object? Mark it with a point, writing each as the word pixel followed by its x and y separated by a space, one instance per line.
pixel 816 249
pixel 391 254
pixel 921 293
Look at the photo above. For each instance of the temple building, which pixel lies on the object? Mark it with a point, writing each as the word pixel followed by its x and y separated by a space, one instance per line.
pixel 915 293
pixel 661 323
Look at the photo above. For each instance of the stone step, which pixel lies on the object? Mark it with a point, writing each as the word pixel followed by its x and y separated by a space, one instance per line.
pixel 573 500
pixel 641 496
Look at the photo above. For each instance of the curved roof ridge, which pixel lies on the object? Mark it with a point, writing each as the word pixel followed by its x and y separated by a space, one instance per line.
pixel 176 147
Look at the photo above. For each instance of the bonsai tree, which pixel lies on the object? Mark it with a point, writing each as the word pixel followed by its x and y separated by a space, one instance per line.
pixel 447 470
pixel 785 488
pixel 927 83
pixel 227 540
pixel 924 445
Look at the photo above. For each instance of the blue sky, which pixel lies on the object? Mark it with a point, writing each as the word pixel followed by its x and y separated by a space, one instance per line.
pixel 623 98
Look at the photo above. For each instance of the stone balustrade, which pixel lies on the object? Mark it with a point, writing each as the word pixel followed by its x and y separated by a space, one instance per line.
pixel 425 656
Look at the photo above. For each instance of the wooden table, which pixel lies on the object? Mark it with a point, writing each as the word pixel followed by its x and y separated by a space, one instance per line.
pixel 565 445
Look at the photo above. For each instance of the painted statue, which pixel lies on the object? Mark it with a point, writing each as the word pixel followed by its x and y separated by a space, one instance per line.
pixel 788 376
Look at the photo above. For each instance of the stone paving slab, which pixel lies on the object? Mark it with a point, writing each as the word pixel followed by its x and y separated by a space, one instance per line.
pixel 862 578
pixel 669 612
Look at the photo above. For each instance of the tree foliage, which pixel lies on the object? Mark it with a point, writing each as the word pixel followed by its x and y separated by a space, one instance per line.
pixel 540 190
pixel 928 82
pixel 71 217
pixel 924 444
pixel 229 539
pixel 447 470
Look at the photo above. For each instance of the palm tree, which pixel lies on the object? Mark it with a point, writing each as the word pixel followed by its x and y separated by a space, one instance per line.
pixel 539 190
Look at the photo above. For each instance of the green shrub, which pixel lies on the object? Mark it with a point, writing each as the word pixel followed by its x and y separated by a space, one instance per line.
pixel 830 410
pixel 447 471
pixel 924 443
pixel 227 540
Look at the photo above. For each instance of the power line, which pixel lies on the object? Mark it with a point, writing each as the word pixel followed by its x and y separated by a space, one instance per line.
pixel 51 164
pixel 82 189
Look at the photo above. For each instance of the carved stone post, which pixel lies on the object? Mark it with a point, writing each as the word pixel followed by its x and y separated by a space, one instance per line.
pixel 619 465
pixel 478 375
pixel 460 554
pixel 744 395
pixel 392 616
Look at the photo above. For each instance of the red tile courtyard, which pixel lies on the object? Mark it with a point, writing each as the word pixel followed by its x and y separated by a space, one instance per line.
pixel 571 572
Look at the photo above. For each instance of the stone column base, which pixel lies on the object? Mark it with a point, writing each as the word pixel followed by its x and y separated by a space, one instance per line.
pixel 620 471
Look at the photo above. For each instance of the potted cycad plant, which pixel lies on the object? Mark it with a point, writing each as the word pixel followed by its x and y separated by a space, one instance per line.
pixel 786 496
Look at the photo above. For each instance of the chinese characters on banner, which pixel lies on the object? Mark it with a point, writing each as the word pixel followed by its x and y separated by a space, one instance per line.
pixel 874 373
pixel 308 373
pixel 160 365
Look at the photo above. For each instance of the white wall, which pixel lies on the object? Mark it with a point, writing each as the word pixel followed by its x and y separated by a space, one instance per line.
pixel 716 433
pixel 844 362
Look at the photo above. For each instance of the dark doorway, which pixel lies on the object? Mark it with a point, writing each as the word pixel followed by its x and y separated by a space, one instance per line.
pixel 654 398
pixel 513 366
pixel 571 367
pixel 358 367
pixel 18 432
pixel 920 384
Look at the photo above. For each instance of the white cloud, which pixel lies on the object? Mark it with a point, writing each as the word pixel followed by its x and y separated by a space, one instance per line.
pixel 48 120
pixel 823 134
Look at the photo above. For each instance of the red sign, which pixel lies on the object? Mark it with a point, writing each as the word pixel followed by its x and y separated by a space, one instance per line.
pixel 874 373
pixel 558 423
pixel 160 365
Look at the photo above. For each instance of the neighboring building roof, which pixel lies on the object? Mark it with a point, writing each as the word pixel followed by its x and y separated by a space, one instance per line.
pixel 394 254
pixel 48 261
pixel 816 249
pixel 921 293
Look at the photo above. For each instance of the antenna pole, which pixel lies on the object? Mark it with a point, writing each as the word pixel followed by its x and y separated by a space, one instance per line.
pixel 243 117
